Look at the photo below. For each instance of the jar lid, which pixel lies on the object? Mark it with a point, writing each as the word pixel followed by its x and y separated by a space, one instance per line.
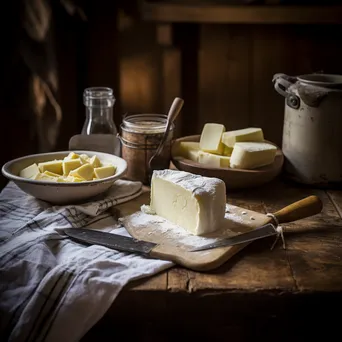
pixel 145 123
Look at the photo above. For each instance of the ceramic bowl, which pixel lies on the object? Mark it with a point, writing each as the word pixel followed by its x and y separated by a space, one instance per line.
pixel 233 178
pixel 62 193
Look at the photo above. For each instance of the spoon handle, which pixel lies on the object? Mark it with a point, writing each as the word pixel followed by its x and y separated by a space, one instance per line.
pixel 175 109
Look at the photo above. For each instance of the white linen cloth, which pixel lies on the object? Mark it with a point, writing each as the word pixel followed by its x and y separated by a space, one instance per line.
pixel 52 288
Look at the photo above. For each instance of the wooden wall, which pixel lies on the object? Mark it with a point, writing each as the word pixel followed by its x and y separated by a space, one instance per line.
pixel 232 82
pixel 223 71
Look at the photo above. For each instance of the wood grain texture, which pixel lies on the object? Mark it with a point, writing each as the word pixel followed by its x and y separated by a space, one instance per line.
pixel 141 68
pixel 156 283
pixel 271 54
pixel 224 76
pixel 228 14
pixel 223 72
pixel 314 255
pixel 311 262
pixel 256 295
pixel 171 84
pixel 176 248
pixel 336 199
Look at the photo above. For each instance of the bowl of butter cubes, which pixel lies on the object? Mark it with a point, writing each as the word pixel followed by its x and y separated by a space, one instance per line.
pixel 67 176
pixel 242 158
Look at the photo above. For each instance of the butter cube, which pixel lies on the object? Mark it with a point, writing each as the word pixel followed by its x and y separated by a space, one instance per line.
pixel 72 155
pixel 104 171
pixel 68 179
pixel 193 202
pixel 251 155
pixel 211 138
pixel 241 135
pixel 213 160
pixel 84 158
pixel 85 171
pixel 54 166
pixel 95 161
pixel 29 171
pixel 44 177
pixel 51 174
pixel 70 164
pixel 187 149
pixel 227 150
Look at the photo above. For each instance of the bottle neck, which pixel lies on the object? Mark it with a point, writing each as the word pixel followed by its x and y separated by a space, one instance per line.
pixel 100 114
pixel 99 102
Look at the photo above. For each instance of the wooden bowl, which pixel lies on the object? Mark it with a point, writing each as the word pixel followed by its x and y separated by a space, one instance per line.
pixel 234 178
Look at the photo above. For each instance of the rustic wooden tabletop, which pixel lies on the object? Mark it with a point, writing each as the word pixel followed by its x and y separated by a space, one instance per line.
pixel 258 291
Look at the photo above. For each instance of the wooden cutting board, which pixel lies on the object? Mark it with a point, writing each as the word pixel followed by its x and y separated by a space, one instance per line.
pixel 174 243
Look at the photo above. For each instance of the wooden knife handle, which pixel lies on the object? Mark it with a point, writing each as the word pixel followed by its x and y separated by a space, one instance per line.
pixel 306 207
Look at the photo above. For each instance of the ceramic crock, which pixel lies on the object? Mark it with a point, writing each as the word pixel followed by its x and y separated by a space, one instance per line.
pixel 312 130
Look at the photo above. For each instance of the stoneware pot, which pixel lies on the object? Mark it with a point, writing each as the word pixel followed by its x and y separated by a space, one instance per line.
pixel 312 130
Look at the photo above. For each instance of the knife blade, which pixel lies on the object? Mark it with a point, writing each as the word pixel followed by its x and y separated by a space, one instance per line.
pixel 113 241
pixel 255 234
pixel 303 208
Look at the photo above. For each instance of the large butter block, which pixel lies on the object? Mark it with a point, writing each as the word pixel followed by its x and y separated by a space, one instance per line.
pixel 241 135
pixel 29 171
pixel 213 160
pixel 211 138
pixel 250 155
pixel 54 166
pixel 190 201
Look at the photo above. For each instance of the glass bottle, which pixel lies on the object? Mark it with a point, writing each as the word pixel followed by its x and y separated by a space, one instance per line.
pixel 99 103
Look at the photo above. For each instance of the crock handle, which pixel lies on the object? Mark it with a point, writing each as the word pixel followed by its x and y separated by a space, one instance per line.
pixel 282 82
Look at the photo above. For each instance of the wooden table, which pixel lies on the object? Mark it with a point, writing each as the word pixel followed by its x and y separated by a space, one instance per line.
pixel 273 295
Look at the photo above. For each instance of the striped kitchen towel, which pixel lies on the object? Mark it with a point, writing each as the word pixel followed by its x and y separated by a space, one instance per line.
pixel 52 288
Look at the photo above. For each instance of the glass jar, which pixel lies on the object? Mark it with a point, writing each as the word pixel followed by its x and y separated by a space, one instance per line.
pixel 141 135
pixel 99 132
pixel 99 102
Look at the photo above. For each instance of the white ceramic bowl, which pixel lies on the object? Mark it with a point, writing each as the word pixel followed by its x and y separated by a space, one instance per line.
pixel 62 193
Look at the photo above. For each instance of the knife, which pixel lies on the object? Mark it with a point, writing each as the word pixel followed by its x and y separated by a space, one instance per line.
pixel 255 234
pixel 113 241
pixel 306 207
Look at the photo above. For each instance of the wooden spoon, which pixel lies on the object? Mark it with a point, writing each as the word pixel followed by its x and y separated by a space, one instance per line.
pixel 157 162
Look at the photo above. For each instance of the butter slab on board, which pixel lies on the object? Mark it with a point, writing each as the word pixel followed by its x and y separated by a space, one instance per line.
pixel 175 245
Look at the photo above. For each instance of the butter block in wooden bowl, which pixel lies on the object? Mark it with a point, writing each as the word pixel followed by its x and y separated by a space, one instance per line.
pixel 234 178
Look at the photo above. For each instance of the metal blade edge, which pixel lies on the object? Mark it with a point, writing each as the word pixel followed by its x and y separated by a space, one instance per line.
pixel 255 234
pixel 110 240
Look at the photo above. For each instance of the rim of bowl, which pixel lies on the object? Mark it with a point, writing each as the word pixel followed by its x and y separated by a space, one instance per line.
pixel 11 176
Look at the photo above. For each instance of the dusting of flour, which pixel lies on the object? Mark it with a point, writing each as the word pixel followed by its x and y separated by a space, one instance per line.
pixel 198 185
pixel 163 231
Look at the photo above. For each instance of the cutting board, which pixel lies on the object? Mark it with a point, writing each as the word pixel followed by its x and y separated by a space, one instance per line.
pixel 174 243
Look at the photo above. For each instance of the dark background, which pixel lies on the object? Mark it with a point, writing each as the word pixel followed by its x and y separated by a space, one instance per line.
pixel 222 69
